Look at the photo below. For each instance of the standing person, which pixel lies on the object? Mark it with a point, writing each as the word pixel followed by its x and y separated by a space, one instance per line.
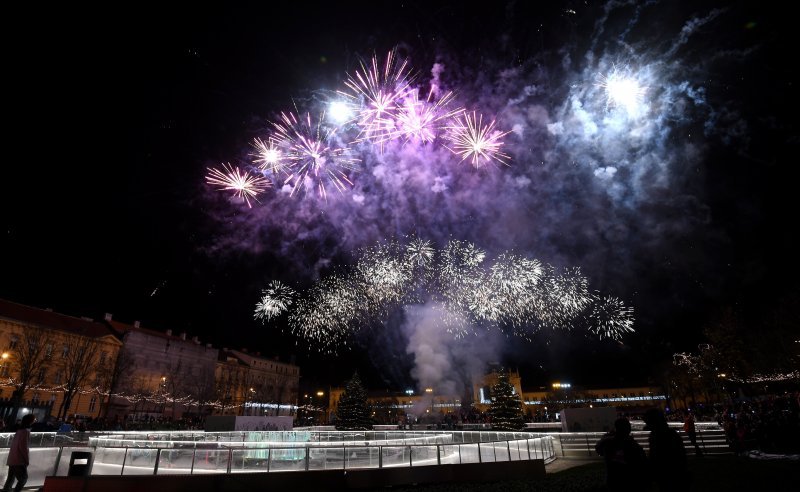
pixel 667 454
pixel 625 459
pixel 18 455
pixel 691 431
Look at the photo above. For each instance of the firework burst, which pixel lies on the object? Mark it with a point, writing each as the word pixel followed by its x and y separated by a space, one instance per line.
pixel 623 91
pixel 469 138
pixel 610 318
pixel 275 300
pixel 420 120
pixel 317 159
pixel 512 293
pixel 378 89
pixel 268 156
pixel 243 184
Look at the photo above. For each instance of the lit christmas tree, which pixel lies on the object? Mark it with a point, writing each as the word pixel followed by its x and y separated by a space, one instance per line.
pixel 353 412
pixel 506 407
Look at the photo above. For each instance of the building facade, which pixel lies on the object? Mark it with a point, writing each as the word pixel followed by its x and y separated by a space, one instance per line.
pixel 57 365
pixel 249 384
pixel 54 364
pixel 163 374
pixel 543 404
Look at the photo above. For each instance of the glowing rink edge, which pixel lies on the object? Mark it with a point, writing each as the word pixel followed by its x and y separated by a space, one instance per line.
pixel 173 453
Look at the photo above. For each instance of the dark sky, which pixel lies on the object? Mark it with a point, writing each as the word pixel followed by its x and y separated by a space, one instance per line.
pixel 113 117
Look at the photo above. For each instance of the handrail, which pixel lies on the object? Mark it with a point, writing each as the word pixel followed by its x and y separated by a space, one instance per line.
pixel 237 457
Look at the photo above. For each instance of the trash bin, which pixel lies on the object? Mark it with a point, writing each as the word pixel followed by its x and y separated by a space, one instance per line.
pixel 80 464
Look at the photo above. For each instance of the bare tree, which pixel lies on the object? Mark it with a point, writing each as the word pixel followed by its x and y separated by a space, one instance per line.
pixel 78 361
pixel 178 383
pixel 201 388
pixel 111 374
pixel 28 357
pixel 282 388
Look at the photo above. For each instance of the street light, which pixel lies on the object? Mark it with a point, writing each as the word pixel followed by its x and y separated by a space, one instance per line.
pixel 3 367
pixel 250 397
pixel 430 392
pixel 320 409
pixel 163 395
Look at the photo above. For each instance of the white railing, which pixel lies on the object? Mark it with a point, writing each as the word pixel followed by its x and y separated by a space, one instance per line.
pixel 133 453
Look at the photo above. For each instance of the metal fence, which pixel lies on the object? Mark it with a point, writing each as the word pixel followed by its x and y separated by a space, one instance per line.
pixel 581 444
pixel 228 453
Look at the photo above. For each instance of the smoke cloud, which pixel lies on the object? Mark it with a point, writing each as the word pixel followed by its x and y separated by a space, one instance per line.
pixel 445 364
pixel 589 184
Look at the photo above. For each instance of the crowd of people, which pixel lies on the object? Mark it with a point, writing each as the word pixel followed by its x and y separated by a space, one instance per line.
pixel 770 423
pixel 628 467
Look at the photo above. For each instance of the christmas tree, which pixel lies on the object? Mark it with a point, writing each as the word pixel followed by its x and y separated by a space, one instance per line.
pixel 353 412
pixel 506 407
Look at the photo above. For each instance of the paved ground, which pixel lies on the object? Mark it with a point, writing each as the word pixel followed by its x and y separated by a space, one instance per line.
pixel 561 464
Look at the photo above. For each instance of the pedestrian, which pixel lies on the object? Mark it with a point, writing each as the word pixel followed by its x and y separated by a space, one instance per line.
pixel 625 459
pixel 691 431
pixel 667 454
pixel 18 455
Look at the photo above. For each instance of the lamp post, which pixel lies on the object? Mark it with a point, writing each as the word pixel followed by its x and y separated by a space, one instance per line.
pixel 251 395
pixel 163 387
pixel 318 416
pixel 430 392
pixel 3 366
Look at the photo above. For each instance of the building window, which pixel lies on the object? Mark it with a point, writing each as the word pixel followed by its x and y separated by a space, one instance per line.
pixel 52 398
pixel 48 351
pixel 41 374
pixel 65 351
pixel 12 344
pixel 58 377
pixel 35 397
pixel 92 403
pixel 103 356
pixel 4 371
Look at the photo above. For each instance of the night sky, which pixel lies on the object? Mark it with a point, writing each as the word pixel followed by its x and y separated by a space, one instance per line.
pixel 113 117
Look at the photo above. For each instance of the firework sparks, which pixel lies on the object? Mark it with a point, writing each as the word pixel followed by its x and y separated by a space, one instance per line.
pixel 378 90
pixel 611 318
pixel 268 156
pixel 340 112
pixel 510 292
pixel 243 184
pixel 476 142
pixel 275 300
pixel 623 91
pixel 419 120
pixel 380 103
pixel 317 159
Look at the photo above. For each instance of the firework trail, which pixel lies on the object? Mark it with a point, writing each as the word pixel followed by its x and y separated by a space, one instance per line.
pixel 511 293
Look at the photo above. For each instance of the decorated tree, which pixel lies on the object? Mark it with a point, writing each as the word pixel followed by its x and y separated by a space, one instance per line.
pixel 506 407
pixel 353 412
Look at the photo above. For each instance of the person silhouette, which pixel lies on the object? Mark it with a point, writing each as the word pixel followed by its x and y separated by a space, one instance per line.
pixel 625 459
pixel 691 432
pixel 667 454
pixel 18 455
